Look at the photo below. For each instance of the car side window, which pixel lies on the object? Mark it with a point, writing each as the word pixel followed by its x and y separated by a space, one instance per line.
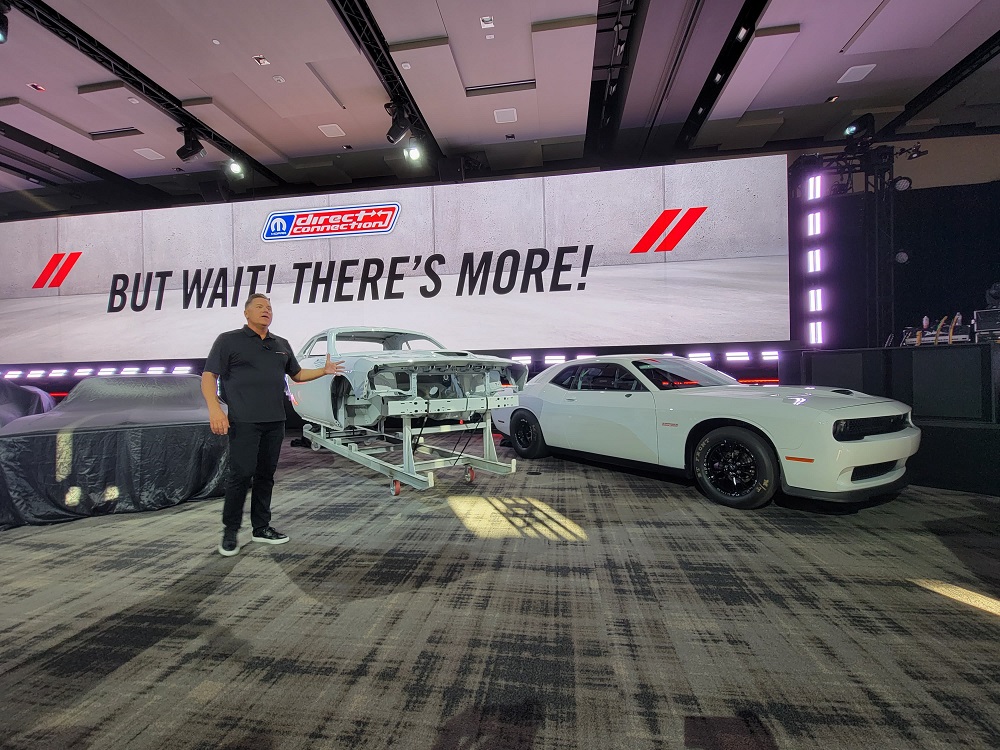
pixel 317 348
pixel 607 377
pixel 626 381
pixel 566 378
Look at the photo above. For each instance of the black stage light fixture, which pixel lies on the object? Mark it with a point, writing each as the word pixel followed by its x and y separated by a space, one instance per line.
pixel 4 27
pixel 860 134
pixel 192 148
pixel 400 122
pixel 913 152
pixel 902 183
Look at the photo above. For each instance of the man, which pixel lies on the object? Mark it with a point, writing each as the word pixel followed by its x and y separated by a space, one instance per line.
pixel 250 365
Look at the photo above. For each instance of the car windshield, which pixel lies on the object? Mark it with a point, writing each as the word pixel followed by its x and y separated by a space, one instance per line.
pixel 676 372
pixel 368 342
pixel 349 343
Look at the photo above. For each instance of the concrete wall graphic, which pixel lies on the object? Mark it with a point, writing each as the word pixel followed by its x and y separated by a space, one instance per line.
pixel 535 262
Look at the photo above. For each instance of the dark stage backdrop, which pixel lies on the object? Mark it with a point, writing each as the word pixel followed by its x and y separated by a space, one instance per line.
pixel 952 235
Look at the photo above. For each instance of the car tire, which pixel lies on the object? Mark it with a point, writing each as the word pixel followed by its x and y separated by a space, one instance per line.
pixel 736 467
pixel 526 435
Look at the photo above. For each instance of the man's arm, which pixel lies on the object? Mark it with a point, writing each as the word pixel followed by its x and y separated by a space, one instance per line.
pixel 216 416
pixel 304 376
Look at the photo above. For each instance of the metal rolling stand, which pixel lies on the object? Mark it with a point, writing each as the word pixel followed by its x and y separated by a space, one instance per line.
pixel 364 445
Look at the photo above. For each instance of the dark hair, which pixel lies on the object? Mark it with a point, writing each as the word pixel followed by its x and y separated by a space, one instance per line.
pixel 252 297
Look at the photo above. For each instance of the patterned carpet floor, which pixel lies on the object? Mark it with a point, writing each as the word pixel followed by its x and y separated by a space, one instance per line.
pixel 565 606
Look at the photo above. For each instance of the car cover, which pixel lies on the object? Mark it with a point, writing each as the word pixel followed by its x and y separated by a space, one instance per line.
pixel 18 401
pixel 113 445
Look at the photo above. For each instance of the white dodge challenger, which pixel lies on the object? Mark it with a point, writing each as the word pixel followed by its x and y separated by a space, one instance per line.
pixel 740 442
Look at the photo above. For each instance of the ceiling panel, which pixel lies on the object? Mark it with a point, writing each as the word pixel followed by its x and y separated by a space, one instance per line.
pixel 765 51
pixel 906 25
pixel 201 54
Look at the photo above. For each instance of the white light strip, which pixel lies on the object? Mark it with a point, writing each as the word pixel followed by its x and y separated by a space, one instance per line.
pixel 11 374
pixel 815 300
pixel 815 189
pixel 57 373
pixel 814 224
pixel 130 370
pixel 769 356
pixel 156 370
pixel 816 332
pixel 814 259
pixel 107 371
pixel 554 359
pixel 583 356
pixel 83 372
pixel 181 370
pixel 700 356
pixel 36 373
pixel 523 359
pixel 737 356
pixel 668 354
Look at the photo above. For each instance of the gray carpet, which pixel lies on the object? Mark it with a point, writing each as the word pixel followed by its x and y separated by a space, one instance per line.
pixel 564 606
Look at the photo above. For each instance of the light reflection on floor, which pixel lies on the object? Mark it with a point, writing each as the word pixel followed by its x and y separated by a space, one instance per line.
pixel 958 594
pixel 504 517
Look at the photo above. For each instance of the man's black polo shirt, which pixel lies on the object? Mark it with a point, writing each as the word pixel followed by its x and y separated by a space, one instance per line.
pixel 252 373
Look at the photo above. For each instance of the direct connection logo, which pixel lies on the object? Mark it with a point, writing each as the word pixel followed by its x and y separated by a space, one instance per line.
pixel 57 266
pixel 378 218
pixel 675 235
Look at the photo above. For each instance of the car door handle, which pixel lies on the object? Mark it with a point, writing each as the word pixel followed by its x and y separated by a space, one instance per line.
pixel 571 398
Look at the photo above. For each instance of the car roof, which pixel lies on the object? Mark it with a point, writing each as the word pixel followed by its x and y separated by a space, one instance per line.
pixel 356 333
pixel 627 358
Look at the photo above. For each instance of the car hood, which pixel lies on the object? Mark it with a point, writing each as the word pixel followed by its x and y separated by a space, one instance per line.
pixel 818 397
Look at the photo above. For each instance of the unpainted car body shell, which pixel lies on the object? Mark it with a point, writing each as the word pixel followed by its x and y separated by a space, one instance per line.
pixel 437 383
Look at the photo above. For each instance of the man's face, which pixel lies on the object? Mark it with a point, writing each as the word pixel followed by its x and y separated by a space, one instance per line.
pixel 259 313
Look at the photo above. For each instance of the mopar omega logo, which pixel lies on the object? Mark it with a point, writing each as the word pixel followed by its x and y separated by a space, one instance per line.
pixel 378 218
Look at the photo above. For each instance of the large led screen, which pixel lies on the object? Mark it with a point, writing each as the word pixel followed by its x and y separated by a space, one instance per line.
pixel 663 255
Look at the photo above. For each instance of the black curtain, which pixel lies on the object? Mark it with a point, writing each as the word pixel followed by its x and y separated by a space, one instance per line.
pixel 952 236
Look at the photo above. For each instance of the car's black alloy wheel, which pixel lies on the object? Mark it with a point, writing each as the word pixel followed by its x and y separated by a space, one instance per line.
pixel 526 435
pixel 736 467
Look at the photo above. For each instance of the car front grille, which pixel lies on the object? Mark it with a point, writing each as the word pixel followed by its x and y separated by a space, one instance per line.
pixel 870 471
pixel 857 429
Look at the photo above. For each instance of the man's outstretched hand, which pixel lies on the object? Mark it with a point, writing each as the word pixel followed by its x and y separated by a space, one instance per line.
pixel 333 368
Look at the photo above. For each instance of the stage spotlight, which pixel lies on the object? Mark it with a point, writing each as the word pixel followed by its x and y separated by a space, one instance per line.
pixel 902 257
pixel 4 7
pixel 400 122
pixel 234 168
pixel 864 125
pixel 840 188
pixel 916 152
pixel 192 148
pixel 860 134
pixel 902 183
pixel 412 150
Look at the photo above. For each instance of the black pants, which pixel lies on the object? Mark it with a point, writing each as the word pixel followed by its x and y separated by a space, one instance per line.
pixel 254 448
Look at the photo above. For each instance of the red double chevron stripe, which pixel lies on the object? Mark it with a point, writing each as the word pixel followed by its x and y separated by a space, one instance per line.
pixel 675 235
pixel 60 274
